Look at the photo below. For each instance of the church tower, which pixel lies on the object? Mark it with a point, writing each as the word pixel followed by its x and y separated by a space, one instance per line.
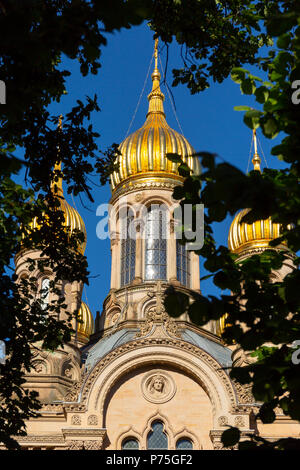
pixel 246 240
pixel 144 247
pixel 54 372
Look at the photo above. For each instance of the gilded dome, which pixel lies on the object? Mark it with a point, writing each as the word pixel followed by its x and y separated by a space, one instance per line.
pixel 73 219
pixel 86 328
pixel 243 236
pixel 143 153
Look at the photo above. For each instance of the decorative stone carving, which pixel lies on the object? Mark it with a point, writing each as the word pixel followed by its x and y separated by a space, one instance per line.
pixel 69 373
pixel 244 392
pixel 76 419
pixel 156 314
pixel 75 445
pixel 159 339
pixel 93 445
pixel 138 197
pixel 73 393
pixel 239 421
pixel 93 420
pixel 39 368
pixel 158 387
pixel 223 421
pixel 115 318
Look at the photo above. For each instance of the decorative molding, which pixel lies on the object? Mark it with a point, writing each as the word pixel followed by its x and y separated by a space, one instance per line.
pixel 93 445
pixel 164 183
pixel 86 384
pixel 75 445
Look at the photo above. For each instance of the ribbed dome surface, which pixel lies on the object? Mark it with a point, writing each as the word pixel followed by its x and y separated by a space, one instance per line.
pixel 143 153
pixel 86 328
pixel 72 217
pixel 244 236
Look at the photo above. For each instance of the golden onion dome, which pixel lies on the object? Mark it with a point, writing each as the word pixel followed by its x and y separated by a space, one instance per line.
pixel 143 153
pixel 73 219
pixel 85 328
pixel 243 236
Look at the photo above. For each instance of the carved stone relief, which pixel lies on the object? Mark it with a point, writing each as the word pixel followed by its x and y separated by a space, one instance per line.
pixel 158 387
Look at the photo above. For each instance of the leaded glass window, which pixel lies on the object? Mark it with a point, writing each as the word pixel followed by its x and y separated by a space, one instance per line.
pixel 156 243
pixel 184 443
pixel 128 244
pixel 45 292
pixel 157 439
pixel 130 443
pixel 183 264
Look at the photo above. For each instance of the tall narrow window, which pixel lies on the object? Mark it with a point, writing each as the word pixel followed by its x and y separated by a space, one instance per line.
pixel 127 248
pixel 183 264
pixel 45 293
pixel 157 439
pixel 156 243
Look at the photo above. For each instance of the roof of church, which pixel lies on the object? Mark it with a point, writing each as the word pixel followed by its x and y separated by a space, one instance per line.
pixel 105 345
pixel 216 350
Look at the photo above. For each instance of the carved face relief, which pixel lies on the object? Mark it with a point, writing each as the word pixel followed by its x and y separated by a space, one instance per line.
pixel 158 387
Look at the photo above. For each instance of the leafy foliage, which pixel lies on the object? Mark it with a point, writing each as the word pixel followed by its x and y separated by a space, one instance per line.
pixel 262 313
pixel 217 38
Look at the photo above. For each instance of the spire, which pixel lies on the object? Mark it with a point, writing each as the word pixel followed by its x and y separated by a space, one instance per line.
pixel 156 97
pixel 256 158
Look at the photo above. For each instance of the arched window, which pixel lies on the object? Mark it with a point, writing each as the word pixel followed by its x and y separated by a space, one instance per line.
pixel 45 292
pixel 157 439
pixel 127 248
pixel 156 243
pixel 183 264
pixel 130 443
pixel 184 443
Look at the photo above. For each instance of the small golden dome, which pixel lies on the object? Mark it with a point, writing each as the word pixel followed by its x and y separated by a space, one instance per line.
pixel 86 328
pixel 243 236
pixel 73 219
pixel 143 153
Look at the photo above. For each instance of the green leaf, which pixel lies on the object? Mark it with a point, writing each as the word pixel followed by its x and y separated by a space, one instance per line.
pixel 252 119
pixel 270 128
pixel 174 157
pixel 248 86
pixel 262 94
pixel 242 108
pixel 230 437
pixel 176 303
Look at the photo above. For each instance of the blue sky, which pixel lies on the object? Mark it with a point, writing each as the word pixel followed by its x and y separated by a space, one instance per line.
pixel 208 121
